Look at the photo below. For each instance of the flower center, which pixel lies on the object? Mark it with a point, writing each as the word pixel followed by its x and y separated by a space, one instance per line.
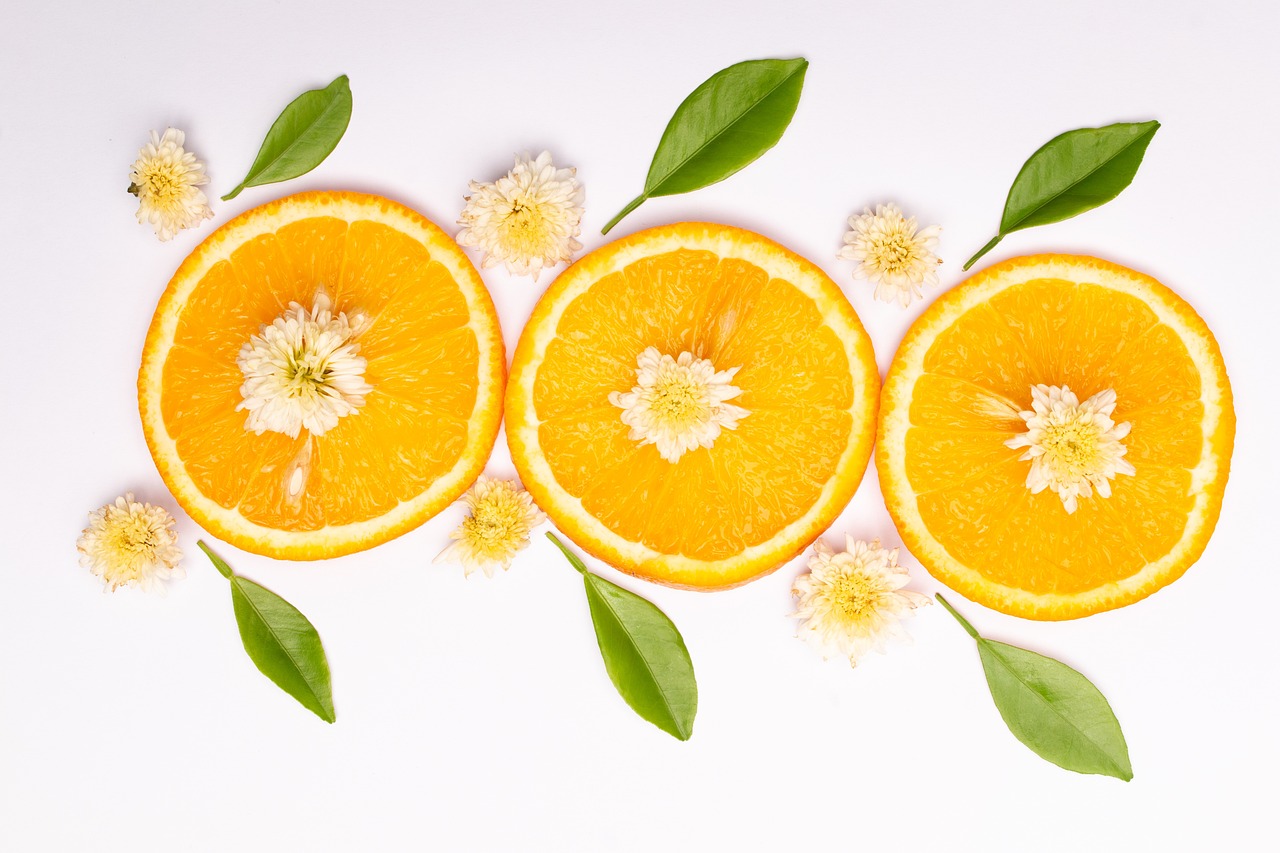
pixel 526 225
pixel 522 215
pixel 895 253
pixel 492 524
pixel 678 404
pixel 1074 448
pixel 303 370
pixel 164 183
pixel 680 399
pixel 133 537
pixel 854 595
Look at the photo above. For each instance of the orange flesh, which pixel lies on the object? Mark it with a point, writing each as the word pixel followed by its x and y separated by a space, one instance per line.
pixel 422 362
pixel 978 375
pixel 795 379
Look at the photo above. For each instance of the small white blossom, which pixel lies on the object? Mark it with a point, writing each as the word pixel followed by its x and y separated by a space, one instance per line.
pixel 892 254
pixel 678 404
pixel 303 371
pixel 1074 448
pixel 166 178
pixel 850 602
pixel 501 517
pixel 527 220
pixel 129 543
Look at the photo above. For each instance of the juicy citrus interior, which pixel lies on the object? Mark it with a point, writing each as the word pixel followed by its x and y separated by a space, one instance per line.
pixel 720 515
pixel 434 358
pixel 959 494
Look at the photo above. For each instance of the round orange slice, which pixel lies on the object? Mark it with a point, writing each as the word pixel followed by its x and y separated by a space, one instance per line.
pixel 351 322
pixel 1105 493
pixel 768 463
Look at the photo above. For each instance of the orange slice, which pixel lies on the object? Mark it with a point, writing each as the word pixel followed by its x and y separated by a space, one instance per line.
pixel 434 360
pixel 958 493
pixel 765 488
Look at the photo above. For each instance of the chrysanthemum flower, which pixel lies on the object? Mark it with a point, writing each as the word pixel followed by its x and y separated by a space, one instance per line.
pixel 502 516
pixel 165 178
pixel 527 220
pixel 303 370
pixel 1074 448
pixel 678 404
pixel 892 254
pixel 128 542
pixel 851 601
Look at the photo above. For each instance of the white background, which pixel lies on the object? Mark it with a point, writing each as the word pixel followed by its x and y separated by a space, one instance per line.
pixel 475 714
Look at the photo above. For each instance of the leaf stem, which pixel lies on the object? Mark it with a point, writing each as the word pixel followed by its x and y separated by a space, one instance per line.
pixel 987 248
pixel 635 202
pixel 218 562
pixel 963 622
pixel 235 192
pixel 574 560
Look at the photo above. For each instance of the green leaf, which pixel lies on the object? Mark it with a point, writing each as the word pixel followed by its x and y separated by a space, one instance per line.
pixel 281 642
pixel 1072 173
pixel 1053 709
pixel 726 123
pixel 643 653
pixel 304 134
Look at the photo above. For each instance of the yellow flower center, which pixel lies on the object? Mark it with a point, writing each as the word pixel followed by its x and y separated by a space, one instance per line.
pixel 131 537
pixel 495 524
pixel 526 226
pixel 164 183
pixel 895 252
pixel 305 374
pixel 854 595
pixel 1071 448
pixel 679 400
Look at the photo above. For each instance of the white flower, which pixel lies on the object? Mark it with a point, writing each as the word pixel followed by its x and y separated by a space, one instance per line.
pixel 527 220
pixel 678 404
pixel 1074 448
pixel 850 602
pixel 128 542
pixel 165 178
pixel 303 370
pixel 502 515
pixel 891 254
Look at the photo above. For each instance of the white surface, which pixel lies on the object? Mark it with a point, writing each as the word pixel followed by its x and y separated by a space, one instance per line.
pixel 475 715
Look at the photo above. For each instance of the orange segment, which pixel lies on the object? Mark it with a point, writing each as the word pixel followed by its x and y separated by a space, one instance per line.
pixel 719 515
pixel 959 495
pixel 434 360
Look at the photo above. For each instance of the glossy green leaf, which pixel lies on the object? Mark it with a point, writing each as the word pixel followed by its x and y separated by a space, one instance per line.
pixel 1053 709
pixel 304 134
pixel 726 123
pixel 643 653
pixel 1072 173
pixel 281 642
